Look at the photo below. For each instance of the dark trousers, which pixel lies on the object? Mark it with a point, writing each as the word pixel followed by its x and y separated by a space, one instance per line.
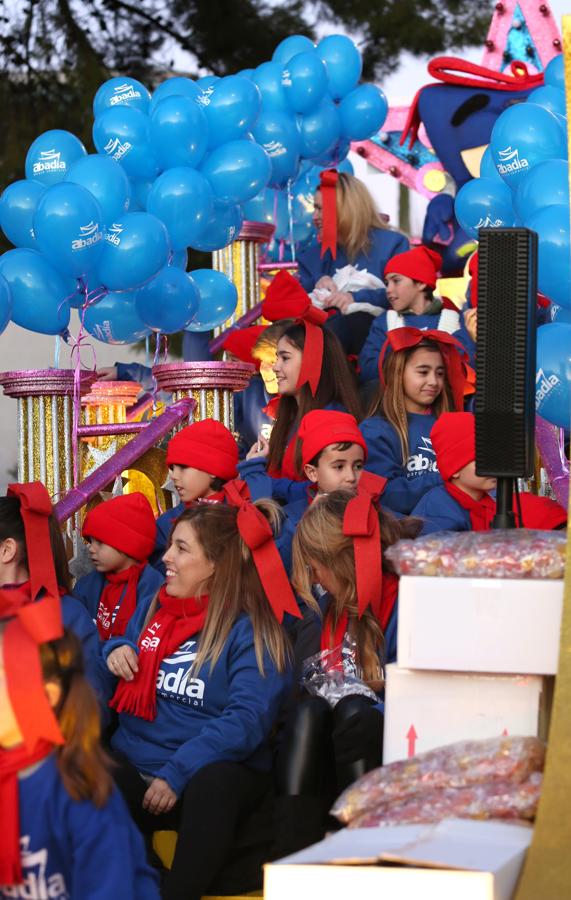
pixel 224 824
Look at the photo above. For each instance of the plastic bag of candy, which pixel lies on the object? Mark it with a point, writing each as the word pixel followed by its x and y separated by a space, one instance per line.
pixel 514 553
pixel 503 759
pixel 334 674
pixel 491 800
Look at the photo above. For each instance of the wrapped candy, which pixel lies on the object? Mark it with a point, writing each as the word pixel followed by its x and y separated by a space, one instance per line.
pixel 504 759
pixel 334 674
pixel 515 553
pixel 491 800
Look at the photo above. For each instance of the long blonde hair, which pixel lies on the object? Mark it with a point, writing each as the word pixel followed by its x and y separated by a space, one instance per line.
pixel 356 215
pixel 391 401
pixel 235 586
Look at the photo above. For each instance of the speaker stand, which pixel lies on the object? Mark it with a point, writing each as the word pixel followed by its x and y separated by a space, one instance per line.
pixel 504 517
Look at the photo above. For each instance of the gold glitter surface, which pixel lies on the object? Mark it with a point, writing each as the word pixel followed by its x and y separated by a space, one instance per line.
pixel 239 262
pixel 547 871
pixel 43 443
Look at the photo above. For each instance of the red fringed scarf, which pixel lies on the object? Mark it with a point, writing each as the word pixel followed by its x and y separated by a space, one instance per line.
pixel 115 584
pixel 332 638
pixel 481 511
pixel 175 621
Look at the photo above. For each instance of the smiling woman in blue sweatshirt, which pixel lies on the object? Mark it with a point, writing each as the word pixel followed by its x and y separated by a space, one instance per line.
pixel 422 376
pixel 202 678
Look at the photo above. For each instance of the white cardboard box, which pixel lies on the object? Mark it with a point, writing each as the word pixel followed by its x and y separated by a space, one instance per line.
pixel 454 859
pixel 424 710
pixel 479 624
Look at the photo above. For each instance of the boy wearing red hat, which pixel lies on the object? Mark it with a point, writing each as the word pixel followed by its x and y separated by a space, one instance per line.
pixel 121 534
pixel 411 279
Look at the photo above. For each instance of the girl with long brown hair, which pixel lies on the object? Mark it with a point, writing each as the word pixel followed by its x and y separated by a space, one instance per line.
pixel 202 675
pixel 422 376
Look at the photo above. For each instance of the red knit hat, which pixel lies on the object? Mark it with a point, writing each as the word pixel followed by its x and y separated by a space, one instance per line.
pixel 453 437
pixel 322 427
pixel 420 264
pixel 240 342
pixel 206 445
pixel 126 523
pixel 541 512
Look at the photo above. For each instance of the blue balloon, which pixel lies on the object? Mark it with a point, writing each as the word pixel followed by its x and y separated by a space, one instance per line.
pixel 182 199
pixel 282 218
pixel 123 133
pixel 304 80
pixel 546 185
pixel 223 228
pixel 550 98
pixel 261 207
pixel 268 77
pixel 68 225
pixel 320 129
pixel 343 61
pixel 232 106
pixel 362 112
pixel 484 203
pixel 560 314
pixel 168 301
pixel 522 136
pixel 291 46
pixel 134 250
pixel 336 156
pixel 217 299
pixel 39 293
pixel 554 253
pixel 237 171
pixel 179 259
pixel 17 208
pixel 554 74
pixel 278 134
pixel 5 303
pixel 121 91
pixel 179 132
pixel 553 379
pixel 106 180
pixel 114 319
pixel 488 166
pixel 174 87
pixel 141 191
pixel 206 82
pixel 51 154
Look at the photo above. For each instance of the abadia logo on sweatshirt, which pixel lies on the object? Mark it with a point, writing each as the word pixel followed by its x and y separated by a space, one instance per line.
pixel 36 883
pixel 173 678
pixel 424 460
pixel 510 161
pixel 544 384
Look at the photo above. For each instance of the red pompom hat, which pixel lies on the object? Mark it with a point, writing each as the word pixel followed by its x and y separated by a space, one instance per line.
pixel 240 342
pixel 420 264
pixel 453 437
pixel 207 446
pixel 321 427
pixel 126 523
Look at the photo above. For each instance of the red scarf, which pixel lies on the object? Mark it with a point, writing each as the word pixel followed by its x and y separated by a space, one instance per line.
pixel 288 469
pixel 12 762
pixel 216 497
pixel 481 511
pixel 176 620
pixel 110 601
pixel 332 638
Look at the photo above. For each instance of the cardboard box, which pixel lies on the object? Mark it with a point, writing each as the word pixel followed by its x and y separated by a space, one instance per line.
pixel 454 859
pixel 479 624
pixel 424 710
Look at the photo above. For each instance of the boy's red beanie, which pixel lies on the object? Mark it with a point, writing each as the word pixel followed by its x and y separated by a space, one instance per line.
pixel 126 523
pixel 453 437
pixel 205 445
pixel 322 427
pixel 420 264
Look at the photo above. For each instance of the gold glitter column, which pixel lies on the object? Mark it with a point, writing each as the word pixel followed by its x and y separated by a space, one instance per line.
pixel 239 262
pixel 547 870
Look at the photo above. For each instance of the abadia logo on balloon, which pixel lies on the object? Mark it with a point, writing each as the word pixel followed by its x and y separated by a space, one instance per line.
pixel 113 234
pixel 122 93
pixel 544 384
pixel 286 78
pixel 488 223
pixel 88 235
pixel 204 97
pixel 274 148
pixel 115 149
pixel 510 161
pixel 49 161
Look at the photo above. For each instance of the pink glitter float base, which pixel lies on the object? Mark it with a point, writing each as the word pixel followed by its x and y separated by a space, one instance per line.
pixel 259 232
pixel 35 382
pixel 200 376
pixel 105 392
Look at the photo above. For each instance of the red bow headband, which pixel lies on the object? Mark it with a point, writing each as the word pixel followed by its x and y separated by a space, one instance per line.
pixel 361 522
pixel 451 349
pixel 328 188
pixel 257 534
pixel 285 298
pixel 35 509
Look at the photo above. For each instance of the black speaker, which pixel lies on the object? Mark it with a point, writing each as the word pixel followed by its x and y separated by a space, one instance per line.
pixel 505 352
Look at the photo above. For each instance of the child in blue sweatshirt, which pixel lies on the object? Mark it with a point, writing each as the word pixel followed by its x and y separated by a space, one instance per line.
pixel 411 279
pixel 422 376
pixel 66 831
pixel 203 672
pixel 121 534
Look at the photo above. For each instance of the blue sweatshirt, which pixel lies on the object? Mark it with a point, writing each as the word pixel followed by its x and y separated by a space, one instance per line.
pixel 405 484
pixel 164 526
pixel 72 849
pixel 384 244
pixel 255 473
pixel 89 588
pixel 448 320
pixel 77 619
pixel 441 512
pixel 219 715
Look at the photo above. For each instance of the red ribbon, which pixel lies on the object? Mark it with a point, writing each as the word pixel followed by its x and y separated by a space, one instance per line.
pixel 36 508
pixel 361 522
pixel 451 349
pixel 257 534
pixel 328 189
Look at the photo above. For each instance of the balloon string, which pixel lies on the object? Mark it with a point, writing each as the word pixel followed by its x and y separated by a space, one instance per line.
pixel 290 219
pixel 90 298
pixel 147 352
pixel 57 350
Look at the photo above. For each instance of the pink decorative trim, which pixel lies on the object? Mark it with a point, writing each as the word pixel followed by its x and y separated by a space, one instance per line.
pixel 542 27
pixel 35 382
pixel 195 376
pixel 260 232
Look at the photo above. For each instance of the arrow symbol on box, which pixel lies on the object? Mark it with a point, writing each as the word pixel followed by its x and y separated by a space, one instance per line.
pixel 411 737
